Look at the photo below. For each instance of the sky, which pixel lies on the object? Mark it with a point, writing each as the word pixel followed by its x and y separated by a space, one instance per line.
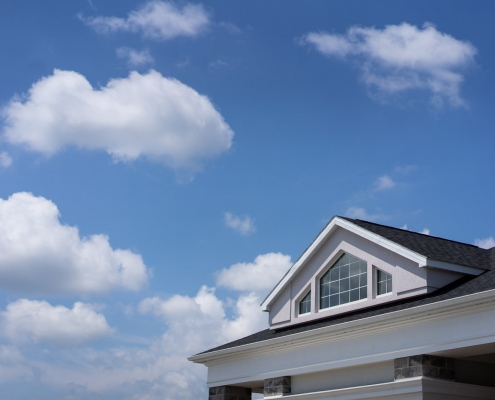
pixel 162 164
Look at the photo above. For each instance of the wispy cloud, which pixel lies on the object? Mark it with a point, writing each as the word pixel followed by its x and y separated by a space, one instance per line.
pixel 230 27
pixel 5 159
pixel 158 20
pixel 425 231
pixel 243 225
pixel 404 169
pixel 384 182
pixel 486 243
pixel 403 57
pixel 361 213
pixel 218 64
pixel 135 58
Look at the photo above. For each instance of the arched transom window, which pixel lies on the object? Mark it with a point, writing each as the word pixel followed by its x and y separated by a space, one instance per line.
pixel 344 283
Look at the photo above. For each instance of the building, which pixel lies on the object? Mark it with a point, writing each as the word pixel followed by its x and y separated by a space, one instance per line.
pixel 370 312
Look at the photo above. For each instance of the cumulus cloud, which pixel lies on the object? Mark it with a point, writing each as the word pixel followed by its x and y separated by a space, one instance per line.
pixel 243 225
pixel 158 20
pixel 201 322
pixel 38 254
pixel 261 275
pixel 135 58
pixel 384 182
pixel 159 370
pixel 403 57
pixel 5 159
pixel 425 231
pixel 486 243
pixel 142 115
pixel 39 321
pixel 361 213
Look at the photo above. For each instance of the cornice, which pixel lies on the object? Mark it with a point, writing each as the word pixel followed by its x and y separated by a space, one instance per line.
pixel 365 326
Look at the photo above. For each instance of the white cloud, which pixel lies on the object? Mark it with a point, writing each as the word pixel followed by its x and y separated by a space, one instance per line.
pixel 486 243
pixel 5 159
pixel 404 227
pixel 158 20
pixel 38 254
pixel 261 275
pixel 160 370
pixel 141 115
pixel 384 182
pixel 135 58
pixel 218 64
pixel 361 213
pixel 201 322
pixel 403 57
pixel 425 231
pixel 404 169
pixel 243 225
pixel 38 321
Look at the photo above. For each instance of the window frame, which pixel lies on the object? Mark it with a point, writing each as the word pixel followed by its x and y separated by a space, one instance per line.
pixel 325 271
pixel 300 301
pixel 377 282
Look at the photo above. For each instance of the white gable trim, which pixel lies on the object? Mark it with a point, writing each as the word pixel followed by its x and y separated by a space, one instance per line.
pixel 320 239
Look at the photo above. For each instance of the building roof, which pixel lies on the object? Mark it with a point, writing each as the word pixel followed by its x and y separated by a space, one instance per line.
pixel 430 246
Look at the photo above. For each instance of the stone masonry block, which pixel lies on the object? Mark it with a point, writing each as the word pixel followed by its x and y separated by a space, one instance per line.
pixel 424 365
pixel 229 393
pixel 277 386
pixel 401 362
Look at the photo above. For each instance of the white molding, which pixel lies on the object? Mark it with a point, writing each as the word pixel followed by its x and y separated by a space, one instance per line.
pixel 413 388
pixel 454 267
pixel 362 327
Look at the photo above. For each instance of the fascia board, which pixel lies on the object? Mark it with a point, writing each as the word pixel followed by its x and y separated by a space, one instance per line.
pixel 458 305
pixel 454 267
pixel 333 224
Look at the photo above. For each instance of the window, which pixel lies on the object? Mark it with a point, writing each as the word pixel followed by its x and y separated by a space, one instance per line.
pixel 305 304
pixel 383 282
pixel 344 283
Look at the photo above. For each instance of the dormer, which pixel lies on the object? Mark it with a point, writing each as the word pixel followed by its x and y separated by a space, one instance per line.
pixel 354 264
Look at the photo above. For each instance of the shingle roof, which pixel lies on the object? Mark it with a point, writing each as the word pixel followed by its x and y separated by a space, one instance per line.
pixel 430 246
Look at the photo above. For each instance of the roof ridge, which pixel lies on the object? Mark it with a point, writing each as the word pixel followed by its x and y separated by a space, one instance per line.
pixel 416 233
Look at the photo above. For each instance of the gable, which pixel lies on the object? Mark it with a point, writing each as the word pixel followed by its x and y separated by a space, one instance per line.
pixel 412 273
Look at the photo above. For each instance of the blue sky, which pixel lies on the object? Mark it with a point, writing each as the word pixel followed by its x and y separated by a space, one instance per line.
pixel 158 158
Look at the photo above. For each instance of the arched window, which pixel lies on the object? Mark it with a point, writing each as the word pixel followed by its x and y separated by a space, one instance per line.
pixel 305 304
pixel 344 283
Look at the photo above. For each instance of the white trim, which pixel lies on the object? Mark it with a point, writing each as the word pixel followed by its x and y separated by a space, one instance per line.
pixel 454 267
pixel 401 389
pixel 329 229
pixel 360 327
